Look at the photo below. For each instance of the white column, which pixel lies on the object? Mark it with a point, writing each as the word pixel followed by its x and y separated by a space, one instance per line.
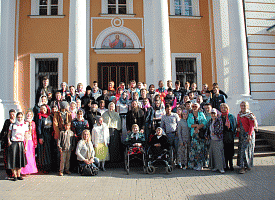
pixel 231 54
pixel 7 59
pixel 157 41
pixel 78 69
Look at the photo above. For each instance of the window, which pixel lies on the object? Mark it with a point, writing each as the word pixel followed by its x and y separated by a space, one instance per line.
pixel 47 8
pixel 46 67
pixel 184 7
pixel 117 7
pixel 186 70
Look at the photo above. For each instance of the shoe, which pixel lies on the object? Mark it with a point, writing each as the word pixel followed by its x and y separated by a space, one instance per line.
pixel 242 171
pixel 14 179
pixel 20 178
pixel 248 169
pixel 68 172
pixel 214 170
pixel 232 168
pixel 60 174
pixel 180 166
pixel 222 171
pixel 198 169
pixel 184 168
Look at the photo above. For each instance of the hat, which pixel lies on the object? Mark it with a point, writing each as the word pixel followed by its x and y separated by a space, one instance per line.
pixel 214 110
pixel 64 104
pixel 88 88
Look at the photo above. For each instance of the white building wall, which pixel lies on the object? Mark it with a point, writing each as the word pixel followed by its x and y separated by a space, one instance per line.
pixel 260 14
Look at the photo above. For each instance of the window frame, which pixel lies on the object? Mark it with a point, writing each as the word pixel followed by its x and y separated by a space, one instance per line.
pixel 129 9
pixel 195 9
pixel 35 6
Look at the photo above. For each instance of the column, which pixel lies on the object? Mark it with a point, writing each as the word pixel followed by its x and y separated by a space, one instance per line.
pixel 157 41
pixel 78 64
pixel 7 59
pixel 231 54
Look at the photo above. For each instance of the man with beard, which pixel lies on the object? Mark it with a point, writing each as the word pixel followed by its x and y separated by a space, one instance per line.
pixel 92 113
pixel 86 98
pixel 135 116
pixel 45 89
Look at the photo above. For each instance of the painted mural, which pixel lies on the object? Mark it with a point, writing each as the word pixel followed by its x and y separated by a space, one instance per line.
pixel 117 41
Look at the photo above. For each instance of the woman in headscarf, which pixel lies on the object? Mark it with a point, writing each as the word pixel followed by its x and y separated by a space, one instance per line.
pixel 44 134
pixel 85 151
pixel 16 151
pixel 246 121
pixel 113 121
pixel 229 132
pixel 214 133
pixel 184 140
pixel 158 142
pixel 122 109
pixel 43 100
pixel 101 140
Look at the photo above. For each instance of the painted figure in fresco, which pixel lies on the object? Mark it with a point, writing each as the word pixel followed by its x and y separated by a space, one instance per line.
pixel 117 43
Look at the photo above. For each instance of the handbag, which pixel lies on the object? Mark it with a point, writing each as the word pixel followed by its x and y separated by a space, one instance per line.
pixel 88 170
pixel 201 133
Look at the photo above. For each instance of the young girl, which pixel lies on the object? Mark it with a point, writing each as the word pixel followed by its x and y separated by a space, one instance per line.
pixel 31 137
pixel 73 109
pixel 184 140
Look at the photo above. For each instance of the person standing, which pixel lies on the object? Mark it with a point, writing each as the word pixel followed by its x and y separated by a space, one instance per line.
pixel 196 121
pixel 246 121
pixel 16 151
pixel 217 98
pixel 101 139
pixel 113 121
pixel 31 137
pixel 4 139
pixel 229 132
pixel 44 90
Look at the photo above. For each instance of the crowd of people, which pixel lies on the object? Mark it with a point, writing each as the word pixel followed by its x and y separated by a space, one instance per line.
pixel 73 127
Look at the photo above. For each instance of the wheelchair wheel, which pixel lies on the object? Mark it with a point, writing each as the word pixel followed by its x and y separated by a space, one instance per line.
pixel 169 169
pixel 151 169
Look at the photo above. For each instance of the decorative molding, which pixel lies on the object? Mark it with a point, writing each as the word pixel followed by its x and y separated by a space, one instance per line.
pixel 197 56
pixel 46 16
pixel 35 9
pixel 33 57
pixel 117 51
pixel 185 16
pixel 116 15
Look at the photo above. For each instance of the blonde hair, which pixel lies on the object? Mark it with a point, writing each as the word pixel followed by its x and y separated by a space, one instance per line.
pixel 225 105
pixel 84 131
pixel 135 125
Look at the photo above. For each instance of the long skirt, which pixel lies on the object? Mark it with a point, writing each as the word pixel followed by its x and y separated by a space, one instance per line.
pixel 44 152
pixel 216 155
pixel 245 149
pixel 30 168
pixel 101 152
pixel 123 126
pixel 197 153
pixel 16 156
pixel 183 153
pixel 115 146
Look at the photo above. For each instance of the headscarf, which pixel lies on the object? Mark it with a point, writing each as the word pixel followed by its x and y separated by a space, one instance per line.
pixel 225 114
pixel 113 121
pixel 162 133
pixel 40 100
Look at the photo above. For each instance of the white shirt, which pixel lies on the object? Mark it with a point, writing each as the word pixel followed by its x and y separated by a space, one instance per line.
pixel 18 132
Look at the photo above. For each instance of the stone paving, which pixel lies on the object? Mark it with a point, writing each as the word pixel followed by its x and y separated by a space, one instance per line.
pixel 115 184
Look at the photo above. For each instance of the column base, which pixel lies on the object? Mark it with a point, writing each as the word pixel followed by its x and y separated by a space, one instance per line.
pixel 5 106
pixel 234 105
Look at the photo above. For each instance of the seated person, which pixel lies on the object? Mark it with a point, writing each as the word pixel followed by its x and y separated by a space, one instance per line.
pixel 85 151
pixel 135 138
pixel 158 142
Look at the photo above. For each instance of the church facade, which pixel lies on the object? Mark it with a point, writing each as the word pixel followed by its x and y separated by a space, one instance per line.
pixel 230 42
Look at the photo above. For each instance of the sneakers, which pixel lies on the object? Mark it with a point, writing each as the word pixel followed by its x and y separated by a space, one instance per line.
pixel 222 171
pixel 242 171
pixel 60 174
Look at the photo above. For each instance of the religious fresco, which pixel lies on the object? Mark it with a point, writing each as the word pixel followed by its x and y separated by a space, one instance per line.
pixel 117 41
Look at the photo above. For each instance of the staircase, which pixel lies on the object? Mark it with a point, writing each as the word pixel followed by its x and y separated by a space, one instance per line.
pixel 264 144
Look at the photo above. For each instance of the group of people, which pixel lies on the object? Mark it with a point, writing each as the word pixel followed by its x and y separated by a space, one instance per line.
pixel 74 127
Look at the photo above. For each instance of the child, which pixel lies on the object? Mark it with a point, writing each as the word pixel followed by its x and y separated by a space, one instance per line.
pixel 184 140
pixel 65 144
